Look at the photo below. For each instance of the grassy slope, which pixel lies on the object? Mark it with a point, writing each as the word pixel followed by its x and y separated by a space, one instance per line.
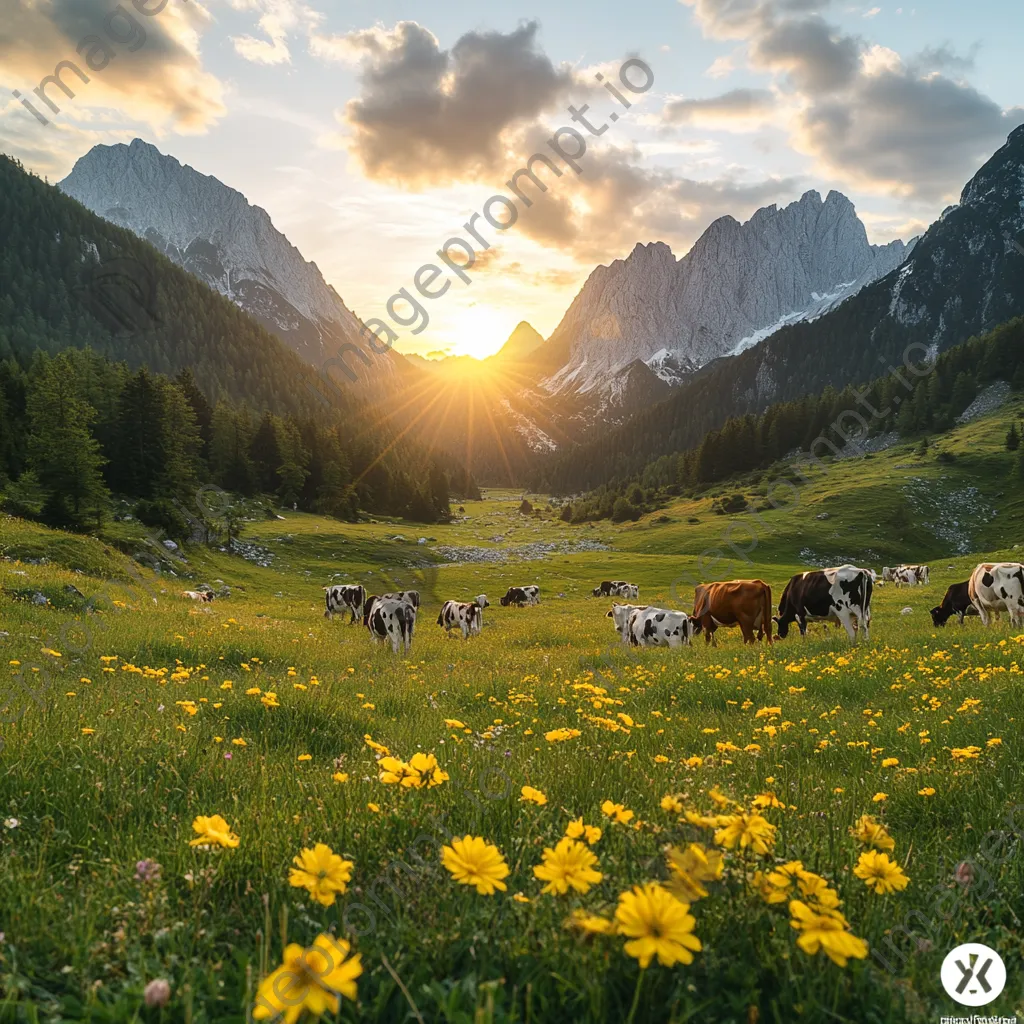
pixel 90 806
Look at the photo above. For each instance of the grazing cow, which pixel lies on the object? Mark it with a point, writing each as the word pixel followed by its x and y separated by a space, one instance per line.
pixel 887 571
pixel 467 615
pixel 619 614
pixel 521 595
pixel 617 588
pixel 904 576
pixel 957 601
pixel 921 572
pixel 996 587
pixel 659 627
pixel 389 619
pixel 342 597
pixel 203 596
pixel 743 603
pixel 840 595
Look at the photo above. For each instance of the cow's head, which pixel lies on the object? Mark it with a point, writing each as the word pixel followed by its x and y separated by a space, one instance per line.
pixel 481 601
pixel 781 626
pixel 596 592
pixel 503 601
pixel 939 617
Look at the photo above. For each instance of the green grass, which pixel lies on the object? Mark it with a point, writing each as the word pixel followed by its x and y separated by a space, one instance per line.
pixel 82 936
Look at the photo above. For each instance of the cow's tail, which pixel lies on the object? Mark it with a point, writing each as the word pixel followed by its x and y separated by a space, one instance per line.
pixel 440 617
pixel 767 612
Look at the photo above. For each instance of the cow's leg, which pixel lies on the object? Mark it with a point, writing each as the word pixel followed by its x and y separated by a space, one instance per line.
pixel 801 621
pixel 983 614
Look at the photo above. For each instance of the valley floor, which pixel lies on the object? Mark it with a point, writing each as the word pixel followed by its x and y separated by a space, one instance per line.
pixel 131 722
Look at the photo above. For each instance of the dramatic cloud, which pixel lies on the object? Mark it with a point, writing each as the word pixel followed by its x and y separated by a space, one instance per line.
pixel 907 127
pixel 739 108
pixel 140 57
pixel 429 116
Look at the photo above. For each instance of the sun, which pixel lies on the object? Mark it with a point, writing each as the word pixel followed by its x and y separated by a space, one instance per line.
pixel 478 331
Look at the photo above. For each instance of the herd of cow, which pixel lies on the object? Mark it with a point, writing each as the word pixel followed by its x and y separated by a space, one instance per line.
pixel 841 595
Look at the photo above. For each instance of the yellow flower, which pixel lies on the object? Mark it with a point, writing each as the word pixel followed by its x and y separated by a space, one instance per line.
pixel 693 762
pixel 423 770
pixel 561 735
pixel 766 800
pixel 321 872
pixel 591 924
pixel 377 748
pixel 689 868
pixel 87 731
pixel 392 770
pixel 473 861
pixel 745 830
pixel 927 791
pixel 825 931
pixel 213 831
pixel 576 829
pixel 239 742
pixel 454 723
pixel 305 757
pixel 720 799
pixel 872 833
pixel 533 796
pixel 569 865
pixel 890 762
pixel 309 979
pixel 672 804
pixel 880 873
pixel 617 812
pixel 373 808
pixel 340 776
pixel 658 925
pixel 994 742
pixel 269 700
pixel 253 691
pixel 880 798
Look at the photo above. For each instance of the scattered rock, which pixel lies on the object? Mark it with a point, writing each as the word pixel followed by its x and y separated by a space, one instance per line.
pixel 38 598
pixel 988 401
pixel 906 611
pixel 170 545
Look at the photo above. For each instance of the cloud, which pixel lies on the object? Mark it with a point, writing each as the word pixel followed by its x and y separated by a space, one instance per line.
pixel 277 20
pixel 147 66
pixel 909 127
pixel 429 116
pixel 737 108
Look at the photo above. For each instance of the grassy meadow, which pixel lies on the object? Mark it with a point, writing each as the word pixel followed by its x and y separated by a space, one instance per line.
pixel 131 721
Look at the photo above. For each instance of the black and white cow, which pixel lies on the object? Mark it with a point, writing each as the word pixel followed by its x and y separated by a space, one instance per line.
pixel 466 615
pixel 660 627
pixel 619 614
pixel 840 595
pixel 957 601
pixel 482 602
pixel 617 588
pixel 344 597
pixel 389 619
pixel 521 595
pixel 996 587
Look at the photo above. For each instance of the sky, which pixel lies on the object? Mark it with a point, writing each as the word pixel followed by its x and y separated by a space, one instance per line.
pixel 372 133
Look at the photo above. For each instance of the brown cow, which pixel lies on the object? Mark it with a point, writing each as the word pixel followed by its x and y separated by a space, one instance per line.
pixel 743 603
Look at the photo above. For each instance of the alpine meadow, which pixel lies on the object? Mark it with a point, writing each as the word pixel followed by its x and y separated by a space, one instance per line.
pixel 513 518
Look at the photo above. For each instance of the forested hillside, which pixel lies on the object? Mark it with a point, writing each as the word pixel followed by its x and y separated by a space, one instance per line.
pixel 964 277
pixel 72 281
pixel 914 400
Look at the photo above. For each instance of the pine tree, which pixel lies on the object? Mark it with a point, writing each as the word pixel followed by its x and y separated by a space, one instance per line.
pixel 1012 438
pixel 64 455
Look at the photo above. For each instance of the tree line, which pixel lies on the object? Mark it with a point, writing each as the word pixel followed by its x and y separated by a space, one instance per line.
pixel 823 424
pixel 77 429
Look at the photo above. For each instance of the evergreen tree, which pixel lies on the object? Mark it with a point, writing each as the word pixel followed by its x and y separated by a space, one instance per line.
pixel 1012 438
pixel 63 454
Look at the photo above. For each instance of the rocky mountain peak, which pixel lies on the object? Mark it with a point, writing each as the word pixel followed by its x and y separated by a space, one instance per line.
pixel 737 284
pixel 215 233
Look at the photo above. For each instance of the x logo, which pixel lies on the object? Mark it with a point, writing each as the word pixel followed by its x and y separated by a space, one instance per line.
pixel 968 972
